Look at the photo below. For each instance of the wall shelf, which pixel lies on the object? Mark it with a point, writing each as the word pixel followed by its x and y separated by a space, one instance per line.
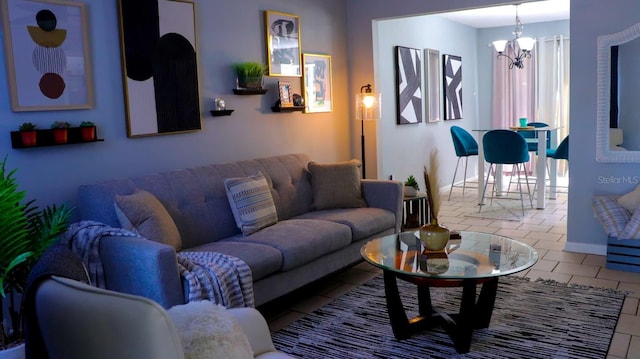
pixel 287 109
pixel 44 138
pixel 261 91
pixel 221 112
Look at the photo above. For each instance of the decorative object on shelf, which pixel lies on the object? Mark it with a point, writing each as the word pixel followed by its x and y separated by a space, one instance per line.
pixel 36 35
pixel 221 112
pixel 298 100
pixel 60 131
pixel 367 109
pixel 433 235
pixel 28 134
pixel 27 233
pixel 249 75
pixel 317 83
pixel 283 43
pixel 519 48
pixel 411 187
pixel 160 67
pixel 408 80
pixel 433 85
pixel 284 90
pixel 87 131
pixel 452 69
pixel 293 108
pixel 219 104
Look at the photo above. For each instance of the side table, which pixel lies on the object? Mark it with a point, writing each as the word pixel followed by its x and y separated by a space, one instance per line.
pixel 414 211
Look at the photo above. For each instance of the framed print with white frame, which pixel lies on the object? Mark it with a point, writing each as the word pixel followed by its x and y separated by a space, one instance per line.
pixel 47 55
pixel 316 77
pixel 432 83
pixel 286 97
pixel 283 43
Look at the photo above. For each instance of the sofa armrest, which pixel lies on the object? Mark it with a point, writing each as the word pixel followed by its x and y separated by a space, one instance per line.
pixel 385 194
pixel 255 327
pixel 142 267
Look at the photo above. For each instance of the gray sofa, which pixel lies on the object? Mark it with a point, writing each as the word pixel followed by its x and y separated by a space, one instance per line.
pixel 304 245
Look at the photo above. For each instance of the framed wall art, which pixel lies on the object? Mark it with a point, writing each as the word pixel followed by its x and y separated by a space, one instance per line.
pixel 159 67
pixel 408 82
pixel 432 84
pixel 283 43
pixel 317 83
pixel 452 69
pixel 47 55
pixel 286 97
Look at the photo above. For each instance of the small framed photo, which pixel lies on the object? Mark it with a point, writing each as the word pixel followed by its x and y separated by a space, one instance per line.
pixel 283 43
pixel 317 83
pixel 286 98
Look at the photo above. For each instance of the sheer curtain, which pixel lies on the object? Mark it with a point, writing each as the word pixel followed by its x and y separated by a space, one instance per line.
pixel 553 87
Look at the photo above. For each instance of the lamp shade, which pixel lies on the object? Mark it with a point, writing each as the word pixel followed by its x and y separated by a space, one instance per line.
pixel 367 106
pixel 500 45
pixel 526 43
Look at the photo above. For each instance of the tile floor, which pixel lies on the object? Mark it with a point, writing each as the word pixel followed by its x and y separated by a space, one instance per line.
pixel 545 230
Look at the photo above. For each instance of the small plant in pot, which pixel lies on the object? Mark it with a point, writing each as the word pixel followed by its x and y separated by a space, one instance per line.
pixel 28 134
pixel 87 131
pixel 60 129
pixel 411 187
pixel 26 233
pixel 249 74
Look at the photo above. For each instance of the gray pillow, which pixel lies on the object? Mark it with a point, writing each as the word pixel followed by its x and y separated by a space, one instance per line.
pixel 142 213
pixel 251 202
pixel 336 185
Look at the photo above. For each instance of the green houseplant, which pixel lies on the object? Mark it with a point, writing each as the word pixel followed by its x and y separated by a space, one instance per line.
pixel 60 131
pixel 87 131
pixel 411 187
pixel 28 134
pixel 26 233
pixel 249 74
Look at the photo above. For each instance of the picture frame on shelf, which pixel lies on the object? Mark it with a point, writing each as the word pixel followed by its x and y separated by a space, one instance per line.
pixel 286 97
pixel 408 85
pixel 283 43
pixel 47 55
pixel 317 76
pixel 452 70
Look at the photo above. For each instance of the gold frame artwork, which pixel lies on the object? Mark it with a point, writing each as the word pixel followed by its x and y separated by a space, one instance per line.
pixel 283 43
pixel 317 80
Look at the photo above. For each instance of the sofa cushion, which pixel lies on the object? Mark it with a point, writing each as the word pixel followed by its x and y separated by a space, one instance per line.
pixel 611 215
pixel 142 213
pixel 631 200
pixel 302 240
pixel 364 222
pixel 336 185
pixel 251 202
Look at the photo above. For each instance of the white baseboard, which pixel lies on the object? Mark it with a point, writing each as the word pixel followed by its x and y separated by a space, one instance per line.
pixel 599 249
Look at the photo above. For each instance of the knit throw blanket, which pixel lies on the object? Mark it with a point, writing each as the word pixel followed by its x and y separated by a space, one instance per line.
pixel 217 277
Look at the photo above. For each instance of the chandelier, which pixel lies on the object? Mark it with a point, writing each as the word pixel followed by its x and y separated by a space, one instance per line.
pixel 523 50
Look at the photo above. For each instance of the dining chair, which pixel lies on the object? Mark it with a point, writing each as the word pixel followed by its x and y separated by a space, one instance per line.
pixel 465 146
pixel 559 153
pixel 505 147
pixel 532 137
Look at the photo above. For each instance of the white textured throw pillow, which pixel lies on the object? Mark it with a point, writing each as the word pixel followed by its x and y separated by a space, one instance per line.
pixel 631 200
pixel 251 203
pixel 207 331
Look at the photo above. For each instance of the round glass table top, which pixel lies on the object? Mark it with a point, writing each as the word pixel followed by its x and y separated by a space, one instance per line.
pixel 476 255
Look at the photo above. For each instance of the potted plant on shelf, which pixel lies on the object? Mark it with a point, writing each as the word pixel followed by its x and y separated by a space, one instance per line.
pixel 60 129
pixel 249 74
pixel 87 131
pixel 28 134
pixel 26 233
pixel 411 187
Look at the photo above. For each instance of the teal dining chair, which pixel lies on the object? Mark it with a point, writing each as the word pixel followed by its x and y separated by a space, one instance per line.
pixel 465 146
pixel 507 148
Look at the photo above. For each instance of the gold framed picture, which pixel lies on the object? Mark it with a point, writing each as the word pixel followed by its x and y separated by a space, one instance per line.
pixel 283 43
pixel 317 83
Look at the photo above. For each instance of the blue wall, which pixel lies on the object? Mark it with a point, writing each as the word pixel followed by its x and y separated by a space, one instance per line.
pixel 227 32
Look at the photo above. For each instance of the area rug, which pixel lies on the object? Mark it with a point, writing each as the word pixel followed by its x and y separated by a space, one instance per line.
pixel 530 320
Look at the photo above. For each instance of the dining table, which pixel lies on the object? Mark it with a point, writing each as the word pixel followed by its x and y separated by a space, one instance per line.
pixel 541 173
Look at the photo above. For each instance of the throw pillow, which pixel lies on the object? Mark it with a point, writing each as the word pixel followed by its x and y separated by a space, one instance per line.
pixel 251 203
pixel 611 215
pixel 142 213
pixel 632 229
pixel 631 200
pixel 206 331
pixel 336 185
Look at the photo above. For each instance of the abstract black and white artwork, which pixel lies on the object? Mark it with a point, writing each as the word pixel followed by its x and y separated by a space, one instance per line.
pixel 452 69
pixel 408 82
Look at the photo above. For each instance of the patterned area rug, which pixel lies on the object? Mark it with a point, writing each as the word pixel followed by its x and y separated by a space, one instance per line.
pixel 530 320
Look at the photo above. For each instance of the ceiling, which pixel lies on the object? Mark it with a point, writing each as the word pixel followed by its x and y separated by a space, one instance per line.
pixel 530 12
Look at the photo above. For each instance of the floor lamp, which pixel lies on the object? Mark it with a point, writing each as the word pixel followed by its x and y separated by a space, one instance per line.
pixel 368 105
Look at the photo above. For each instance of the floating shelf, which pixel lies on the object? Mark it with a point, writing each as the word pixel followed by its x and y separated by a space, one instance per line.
pixel 221 112
pixel 44 138
pixel 287 109
pixel 250 91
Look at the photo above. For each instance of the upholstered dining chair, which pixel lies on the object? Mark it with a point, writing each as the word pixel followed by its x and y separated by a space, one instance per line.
pixel 531 137
pixel 465 146
pixel 559 153
pixel 507 148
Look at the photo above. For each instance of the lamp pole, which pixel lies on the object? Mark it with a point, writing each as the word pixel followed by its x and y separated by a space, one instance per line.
pixel 364 168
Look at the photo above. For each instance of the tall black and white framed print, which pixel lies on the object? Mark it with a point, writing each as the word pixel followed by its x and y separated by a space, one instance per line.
pixel 408 83
pixel 283 43
pixel 452 69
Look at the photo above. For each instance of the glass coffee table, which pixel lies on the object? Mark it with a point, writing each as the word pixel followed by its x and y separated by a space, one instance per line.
pixel 475 258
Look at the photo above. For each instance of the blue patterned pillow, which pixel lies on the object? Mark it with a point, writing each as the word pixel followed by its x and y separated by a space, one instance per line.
pixel 612 215
pixel 251 203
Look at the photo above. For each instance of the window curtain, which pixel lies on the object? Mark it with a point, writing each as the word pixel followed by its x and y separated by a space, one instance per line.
pixel 553 87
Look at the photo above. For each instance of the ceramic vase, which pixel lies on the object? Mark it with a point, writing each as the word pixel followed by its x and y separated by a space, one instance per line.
pixel 434 237
pixel 410 191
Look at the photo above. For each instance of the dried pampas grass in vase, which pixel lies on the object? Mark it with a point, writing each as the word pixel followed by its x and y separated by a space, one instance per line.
pixel 433 235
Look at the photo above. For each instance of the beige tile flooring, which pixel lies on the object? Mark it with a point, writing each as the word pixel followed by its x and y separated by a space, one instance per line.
pixel 545 230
